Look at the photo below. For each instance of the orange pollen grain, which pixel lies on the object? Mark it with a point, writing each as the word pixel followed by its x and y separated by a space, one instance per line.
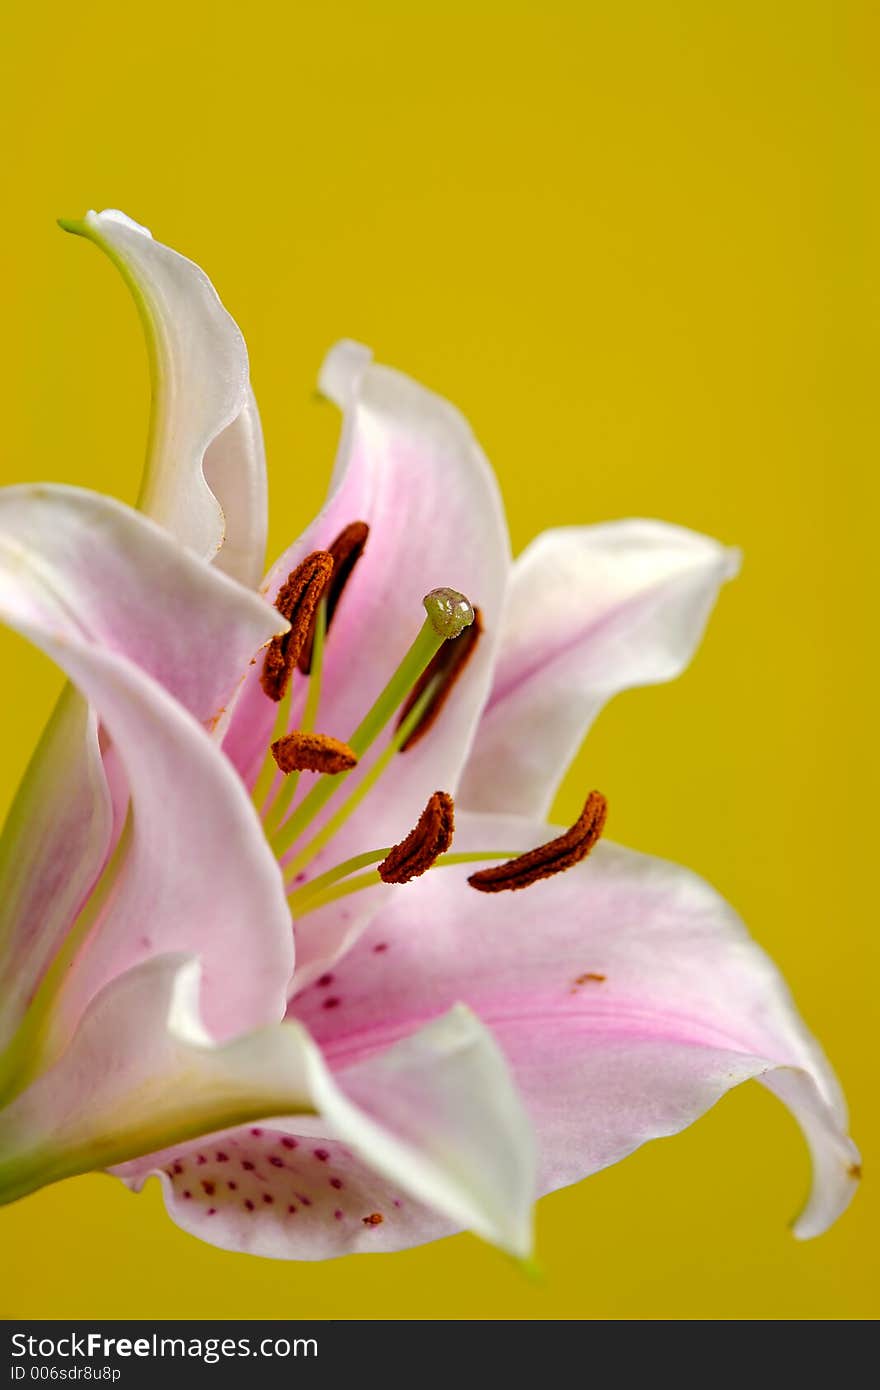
pixel 431 837
pixel 298 752
pixel 375 1218
pixel 553 858
pixel 297 600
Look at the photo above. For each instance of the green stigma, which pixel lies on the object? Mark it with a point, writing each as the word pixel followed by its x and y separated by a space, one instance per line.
pixel 449 611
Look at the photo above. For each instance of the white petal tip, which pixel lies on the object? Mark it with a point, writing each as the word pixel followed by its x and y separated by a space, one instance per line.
pixel 342 370
pixel 92 224
pixel 828 1202
pixel 114 215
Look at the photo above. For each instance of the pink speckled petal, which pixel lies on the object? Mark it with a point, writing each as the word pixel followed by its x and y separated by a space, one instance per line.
pixel 286 1194
pixel 411 468
pixel 92 584
pixel 427 1136
pixel 626 994
pixel 591 611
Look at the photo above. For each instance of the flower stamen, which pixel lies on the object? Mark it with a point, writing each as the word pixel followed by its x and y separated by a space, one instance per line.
pixel 441 676
pixel 297 600
pixel 422 847
pixel 449 612
pixel 307 752
pixel 345 552
pixel 553 858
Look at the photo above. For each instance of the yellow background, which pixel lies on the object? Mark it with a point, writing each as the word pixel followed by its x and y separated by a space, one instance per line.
pixel 635 243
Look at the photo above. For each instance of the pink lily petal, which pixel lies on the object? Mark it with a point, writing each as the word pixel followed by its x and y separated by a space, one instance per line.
pixel 436 1115
pixel 55 842
pixel 591 611
pixel 281 1191
pixel 410 467
pixel 235 470
pixel 61 828
pixel 139 1066
pixel 92 583
pixel 426 1137
pixel 626 994
pixel 205 477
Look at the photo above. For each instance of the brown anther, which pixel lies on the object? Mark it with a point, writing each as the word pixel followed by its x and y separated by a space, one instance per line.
pixel 346 550
pixel 299 752
pixel 297 600
pixel 375 1218
pixel 430 838
pixel 553 858
pixel 441 675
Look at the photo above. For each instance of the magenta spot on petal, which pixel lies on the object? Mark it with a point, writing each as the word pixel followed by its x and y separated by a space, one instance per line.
pixel 306 1201
pixel 332 1003
pixel 200 1159
pixel 256 1133
pixel 187 1194
pixel 276 1161
pixel 178 1167
pixel 249 1206
pixel 288 1142
pixel 321 1155
pixel 338 1214
pixel 233 1186
pixel 247 1165
pixel 382 946
pixel 222 1157
pixel 397 1202
pixel 324 981
pixel 268 1198
pixel 208 1188
pixel 301 876
pixel 337 1183
pixel 291 1211
pixel 212 1211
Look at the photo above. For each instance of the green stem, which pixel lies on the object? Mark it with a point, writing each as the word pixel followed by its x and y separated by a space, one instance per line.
pixel 419 656
pixel 362 790
pixel 473 857
pixel 349 866
pixel 341 890
pixel 269 770
pixel 313 900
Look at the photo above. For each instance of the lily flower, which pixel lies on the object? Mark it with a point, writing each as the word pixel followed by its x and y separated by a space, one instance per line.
pixel 238 766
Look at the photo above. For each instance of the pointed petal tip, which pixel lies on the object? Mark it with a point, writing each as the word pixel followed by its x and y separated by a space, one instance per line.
pixel 829 1199
pixel 732 562
pixel 341 371
pixel 86 225
pixel 530 1268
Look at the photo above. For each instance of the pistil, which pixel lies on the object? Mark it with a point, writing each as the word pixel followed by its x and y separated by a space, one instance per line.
pixel 448 614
